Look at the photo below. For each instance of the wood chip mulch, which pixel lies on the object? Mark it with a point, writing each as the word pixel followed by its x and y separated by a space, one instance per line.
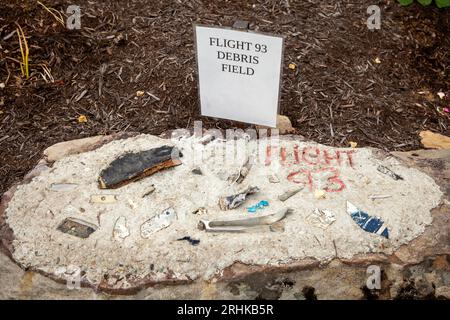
pixel 337 94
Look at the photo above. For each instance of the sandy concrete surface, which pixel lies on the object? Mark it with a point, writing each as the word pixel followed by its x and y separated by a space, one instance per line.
pixel 118 256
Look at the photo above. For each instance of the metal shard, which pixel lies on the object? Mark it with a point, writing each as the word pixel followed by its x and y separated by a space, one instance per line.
pixel 77 227
pixel 389 172
pixel 234 201
pixel 243 225
pixel 286 195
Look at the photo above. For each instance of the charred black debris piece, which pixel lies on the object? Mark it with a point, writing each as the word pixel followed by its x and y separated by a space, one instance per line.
pixel 135 166
pixel 77 227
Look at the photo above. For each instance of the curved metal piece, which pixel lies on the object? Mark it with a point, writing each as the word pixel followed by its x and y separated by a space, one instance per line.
pixel 243 225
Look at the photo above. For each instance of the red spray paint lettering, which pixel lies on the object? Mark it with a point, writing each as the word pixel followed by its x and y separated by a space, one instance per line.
pixel 311 156
pixel 315 158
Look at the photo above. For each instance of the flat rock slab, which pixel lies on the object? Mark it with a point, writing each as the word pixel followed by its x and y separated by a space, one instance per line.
pixel 119 258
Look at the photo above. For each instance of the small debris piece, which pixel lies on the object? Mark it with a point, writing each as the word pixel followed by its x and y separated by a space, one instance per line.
pixel 353 144
pixel 131 204
pixel 377 60
pixel 135 166
pixel 379 196
pixel 243 172
pixel 2 85
pixel 148 192
pixel 292 66
pixel 222 175
pixel 366 222
pixel 197 171
pixel 121 230
pixel 277 226
pixel 441 95
pixel 77 227
pixel 243 225
pixel 273 178
pixel 207 139
pixel 321 218
pixel 158 222
pixel 201 210
pixel 319 194
pixel 433 140
pixel 140 93
pixel 194 242
pixel 446 110
pixel 103 198
pixel 63 187
pixel 234 201
pixel 82 119
pixel 289 193
pixel 389 172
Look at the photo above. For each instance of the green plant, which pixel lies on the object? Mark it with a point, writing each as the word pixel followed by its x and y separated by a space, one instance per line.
pixel 439 3
pixel 24 51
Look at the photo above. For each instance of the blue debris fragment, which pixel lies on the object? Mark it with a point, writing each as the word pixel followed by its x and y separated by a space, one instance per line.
pixel 259 205
pixel 264 203
pixel 366 222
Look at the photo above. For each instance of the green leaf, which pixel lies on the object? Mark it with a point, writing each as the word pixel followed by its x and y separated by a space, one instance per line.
pixel 405 2
pixel 443 3
pixel 425 2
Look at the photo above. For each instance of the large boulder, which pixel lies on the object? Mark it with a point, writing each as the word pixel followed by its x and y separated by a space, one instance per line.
pixel 303 256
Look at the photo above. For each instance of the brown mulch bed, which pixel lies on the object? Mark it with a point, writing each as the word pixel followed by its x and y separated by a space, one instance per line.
pixel 338 93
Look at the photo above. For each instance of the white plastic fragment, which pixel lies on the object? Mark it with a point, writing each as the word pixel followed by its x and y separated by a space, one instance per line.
pixel 321 218
pixel 121 230
pixel 379 196
pixel 158 222
pixel 63 187
pixel 200 211
pixel 103 198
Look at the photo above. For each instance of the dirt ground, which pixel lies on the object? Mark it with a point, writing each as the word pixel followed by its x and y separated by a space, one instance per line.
pixel 338 93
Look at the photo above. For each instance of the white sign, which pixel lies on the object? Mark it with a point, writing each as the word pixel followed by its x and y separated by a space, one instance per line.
pixel 239 74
